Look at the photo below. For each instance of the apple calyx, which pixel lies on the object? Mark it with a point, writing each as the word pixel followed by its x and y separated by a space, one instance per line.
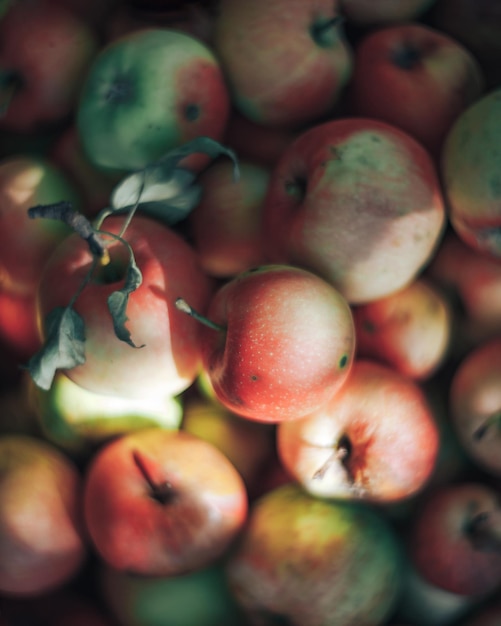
pixel 490 428
pixel 183 306
pixel 11 82
pixel 325 31
pixel 163 493
pixel 484 531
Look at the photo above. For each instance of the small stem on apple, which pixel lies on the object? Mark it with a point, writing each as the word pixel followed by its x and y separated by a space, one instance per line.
pixel 10 83
pixel 484 531
pixel 162 492
pixel 183 306
pixel 488 426
pixel 339 455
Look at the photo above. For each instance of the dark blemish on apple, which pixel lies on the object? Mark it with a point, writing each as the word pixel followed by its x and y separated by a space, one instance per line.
pixel 192 112
pixel 407 56
pixel 375 139
pixel 343 361
pixel 296 188
pixel 254 377
pixel 119 91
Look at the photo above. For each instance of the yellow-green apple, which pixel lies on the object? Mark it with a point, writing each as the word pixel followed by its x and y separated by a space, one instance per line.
pixel 26 244
pixel 454 539
pixel 248 445
pixel 357 201
pixel 471 282
pixel 46 51
pixel 376 439
pixel 147 93
pixel 278 343
pixel 162 503
pixel 414 77
pixel 367 13
pixel 409 330
pixel 225 226
pixel 286 62
pixel 471 175
pixel 475 404
pixel 170 357
pixel 78 420
pixel 308 561
pixel 201 597
pixel 42 540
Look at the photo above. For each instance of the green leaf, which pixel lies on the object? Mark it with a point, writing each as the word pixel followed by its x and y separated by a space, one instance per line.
pixel 118 300
pixel 64 347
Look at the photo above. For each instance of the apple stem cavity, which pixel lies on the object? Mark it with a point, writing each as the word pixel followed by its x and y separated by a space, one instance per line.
pixel 10 83
pixel 183 306
pixel 163 492
pixel 490 427
pixel 406 57
pixel 341 454
pixel 325 32
pixel 484 531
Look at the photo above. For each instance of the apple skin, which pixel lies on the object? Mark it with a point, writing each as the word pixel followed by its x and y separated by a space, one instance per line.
pixel 441 547
pixel 225 226
pixel 38 37
pixel 416 78
pixel 475 398
pixel 79 421
pixel 259 42
pixel 308 561
pixel 367 243
pixel 171 357
pixel 470 174
pixel 173 91
pixel 384 423
pixel 42 539
pixel 286 346
pixel 409 330
pixel 202 508
pixel 367 13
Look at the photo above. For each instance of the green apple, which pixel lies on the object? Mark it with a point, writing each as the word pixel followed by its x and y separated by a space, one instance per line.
pixel 77 419
pixel 148 92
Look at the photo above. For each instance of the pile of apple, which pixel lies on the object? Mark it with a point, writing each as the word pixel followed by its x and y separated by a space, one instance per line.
pixel 250 313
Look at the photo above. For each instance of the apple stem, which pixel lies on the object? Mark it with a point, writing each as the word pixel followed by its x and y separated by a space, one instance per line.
pixel 162 492
pixel 340 454
pixel 183 306
pixel 484 530
pixel 488 426
pixel 10 83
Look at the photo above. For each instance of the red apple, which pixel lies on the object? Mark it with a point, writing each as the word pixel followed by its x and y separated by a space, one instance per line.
pixel 42 541
pixel 409 330
pixel 225 226
pixel 376 439
pixel 414 77
pixel 170 358
pixel 162 503
pixel 281 342
pixel 46 51
pixel 370 13
pixel 357 201
pixel 286 62
pixel 475 404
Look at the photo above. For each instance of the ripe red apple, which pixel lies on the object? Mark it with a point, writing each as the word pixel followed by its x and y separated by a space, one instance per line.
pixel 369 13
pixel 409 330
pixel 42 541
pixel 307 561
pixel 475 404
pixel 471 174
pixel 171 91
pixel 414 77
pixel 225 226
pixel 46 50
pixel 286 62
pixel 162 503
pixel 376 439
pixel 455 538
pixel 281 342
pixel 357 201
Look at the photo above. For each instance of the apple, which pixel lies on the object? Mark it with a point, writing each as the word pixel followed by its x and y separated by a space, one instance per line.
pixel 200 597
pixel 454 540
pixel 367 13
pixel 416 78
pixel 308 561
pixel 225 226
pixel 286 62
pixel 171 91
pixel 79 421
pixel 470 174
pixel 278 343
pixel 38 37
pixel 170 357
pixel 42 540
pixel 357 201
pixel 17 415
pixel 376 439
pixel 409 330
pixel 162 503
pixel 475 404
